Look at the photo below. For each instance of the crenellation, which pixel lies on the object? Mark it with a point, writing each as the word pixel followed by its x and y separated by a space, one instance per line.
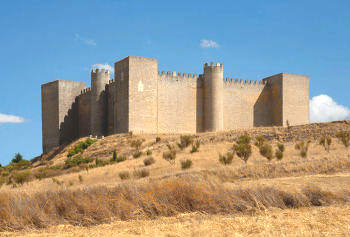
pixel 142 99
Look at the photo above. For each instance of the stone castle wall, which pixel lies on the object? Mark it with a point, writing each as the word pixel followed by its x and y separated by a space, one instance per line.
pixel 142 100
pixel 177 102
pixel 240 109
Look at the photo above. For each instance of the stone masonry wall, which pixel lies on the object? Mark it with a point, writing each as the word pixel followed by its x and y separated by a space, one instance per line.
pixel 143 75
pixel 49 108
pixel 84 102
pixel 177 103
pixel 240 98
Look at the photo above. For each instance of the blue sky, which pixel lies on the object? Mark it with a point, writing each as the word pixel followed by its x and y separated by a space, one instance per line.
pixel 44 40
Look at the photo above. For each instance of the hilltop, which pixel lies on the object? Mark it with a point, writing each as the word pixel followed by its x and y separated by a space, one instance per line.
pixel 134 178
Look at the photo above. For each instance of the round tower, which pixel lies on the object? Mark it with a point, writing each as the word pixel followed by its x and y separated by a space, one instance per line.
pixel 99 79
pixel 213 97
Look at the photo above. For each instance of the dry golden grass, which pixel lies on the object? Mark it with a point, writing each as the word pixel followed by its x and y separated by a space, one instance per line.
pixel 239 193
pixel 315 221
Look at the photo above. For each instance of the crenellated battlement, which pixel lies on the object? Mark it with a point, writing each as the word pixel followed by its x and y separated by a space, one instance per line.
pixel 100 70
pixel 86 90
pixel 170 74
pixel 237 81
pixel 212 64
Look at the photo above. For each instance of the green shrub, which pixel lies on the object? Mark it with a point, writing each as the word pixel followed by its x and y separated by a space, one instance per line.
pixel 76 161
pixel 141 173
pixel 124 175
pixel 186 164
pixel 158 139
pixel 149 161
pixel 117 158
pixel 22 177
pixel 20 165
pixel 226 159
pixel 259 141
pixel 326 142
pixel 170 155
pixel 195 147
pixel 280 147
pixel 137 144
pixel 137 154
pixel 344 137
pixel 266 151
pixel 99 163
pixel 279 154
pixel 17 158
pixel 81 146
pixel 148 152
pixel 185 141
pixel 303 147
pixel 243 148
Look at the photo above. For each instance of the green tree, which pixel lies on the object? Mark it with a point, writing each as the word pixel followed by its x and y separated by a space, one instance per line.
pixel 17 158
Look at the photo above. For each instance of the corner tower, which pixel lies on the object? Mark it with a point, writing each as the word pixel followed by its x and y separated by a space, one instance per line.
pixel 99 79
pixel 213 97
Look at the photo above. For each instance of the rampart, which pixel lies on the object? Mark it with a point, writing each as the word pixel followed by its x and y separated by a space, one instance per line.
pixel 143 100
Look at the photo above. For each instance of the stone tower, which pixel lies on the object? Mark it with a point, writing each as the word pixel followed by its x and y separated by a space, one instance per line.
pixel 99 79
pixel 213 97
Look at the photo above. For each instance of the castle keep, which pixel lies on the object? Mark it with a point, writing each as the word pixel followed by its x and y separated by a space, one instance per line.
pixel 143 100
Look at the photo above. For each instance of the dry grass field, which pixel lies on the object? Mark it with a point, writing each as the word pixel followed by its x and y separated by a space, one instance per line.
pixel 293 196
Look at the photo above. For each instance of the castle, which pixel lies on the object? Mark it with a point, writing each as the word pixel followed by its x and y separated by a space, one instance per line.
pixel 143 100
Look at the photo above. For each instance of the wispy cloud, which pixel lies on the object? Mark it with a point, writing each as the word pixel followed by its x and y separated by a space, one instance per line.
pixel 103 66
pixel 85 40
pixel 209 44
pixel 324 109
pixel 6 118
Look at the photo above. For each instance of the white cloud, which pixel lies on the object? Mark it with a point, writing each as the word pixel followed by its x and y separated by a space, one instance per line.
pixel 209 44
pixel 324 109
pixel 103 66
pixel 6 118
pixel 85 40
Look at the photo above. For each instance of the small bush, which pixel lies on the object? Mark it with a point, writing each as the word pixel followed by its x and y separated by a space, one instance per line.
pixel 226 159
pixel 158 139
pixel 279 154
pixel 326 142
pixel 22 177
pixel 137 144
pixel 149 161
pixel 137 154
pixel 124 175
pixel 80 178
pixel 280 147
pixel 186 164
pixel 117 158
pixel 195 147
pixel 185 141
pixel 170 155
pixel 76 161
pixel 81 146
pixel 266 151
pixel 244 139
pixel 344 137
pixel 259 141
pixel 141 173
pixel 243 148
pixel 303 147
pixel 100 163
pixel 17 158
pixel 148 152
